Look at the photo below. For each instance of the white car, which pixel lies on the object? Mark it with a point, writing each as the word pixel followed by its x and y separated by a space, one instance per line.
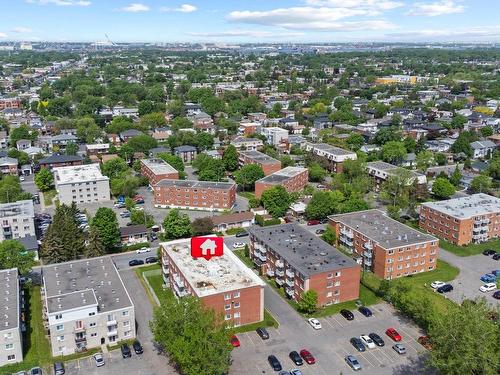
pixel 99 359
pixel 237 245
pixel 437 284
pixel 21 178
pixel 488 287
pixel 367 341
pixel 315 323
pixel 143 250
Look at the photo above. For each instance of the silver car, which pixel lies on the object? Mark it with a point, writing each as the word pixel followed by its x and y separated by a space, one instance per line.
pixel 399 348
pixel 99 359
pixel 353 362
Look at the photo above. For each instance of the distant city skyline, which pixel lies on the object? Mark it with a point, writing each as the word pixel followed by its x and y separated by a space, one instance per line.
pixel 256 21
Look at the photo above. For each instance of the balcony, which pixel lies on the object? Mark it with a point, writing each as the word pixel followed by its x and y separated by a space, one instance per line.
pixel 367 262
pixel 289 282
pixel 368 254
pixel 263 250
pixel 280 282
pixel 289 273
pixel 179 291
pixel 110 323
pixel 476 229
pixel 369 245
pixel 347 232
pixel 262 257
pixel 280 273
pixel 270 273
pixel 165 269
pixel 346 240
pixel 79 340
pixel 80 329
pixel 290 292
pixel 113 332
pixel 279 263
pixel 257 261
pixel 178 281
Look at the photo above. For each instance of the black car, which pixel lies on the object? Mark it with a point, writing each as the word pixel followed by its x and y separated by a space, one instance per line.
pixel 275 364
pixel 151 260
pixel 137 347
pixel 496 256
pixel 347 314
pixel 445 288
pixel 296 358
pixel 496 295
pixel 135 262
pixel 376 339
pixel 489 252
pixel 126 353
pixel 365 311
pixel 358 344
pixel 59 368
pixel 262 332
pixel 241 234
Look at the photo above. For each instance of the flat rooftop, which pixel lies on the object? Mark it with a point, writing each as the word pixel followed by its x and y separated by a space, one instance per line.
pixel 159 166
pixel 282 175
pixel 306 252
pixel 330 149
pixel 17 208
pixel 9 301
pixel 65 283
pixel 218 275
pixel 78 174
pixel 259 157
pixel 380 228
pixel 196 184
pixel 467 207
pixel 388 168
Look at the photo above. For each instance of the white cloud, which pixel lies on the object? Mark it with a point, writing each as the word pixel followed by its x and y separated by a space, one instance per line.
pixel 184 8
pixel 244 33
pixel 3 35
pixel 474 33
pixel 135 8
pixel 61 3
pixel 21 30
pixel 436 9
pixel 370 4
pixel 311 18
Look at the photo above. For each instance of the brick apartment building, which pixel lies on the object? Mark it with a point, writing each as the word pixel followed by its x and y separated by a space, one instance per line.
pixel 385 246
pixel 333 157
pixel 300 261
pixel 13 103
pixel 55 161
pixel 269 165
pixel 197 195
pixel 475 218
pixel 224 283
pixel 158 169
pixel 380 171
pixel 291 178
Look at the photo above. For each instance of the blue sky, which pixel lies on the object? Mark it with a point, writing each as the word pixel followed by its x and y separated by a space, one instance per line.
pixel 233 21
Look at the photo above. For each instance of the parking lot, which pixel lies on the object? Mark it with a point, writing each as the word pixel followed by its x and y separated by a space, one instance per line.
pixel 331 344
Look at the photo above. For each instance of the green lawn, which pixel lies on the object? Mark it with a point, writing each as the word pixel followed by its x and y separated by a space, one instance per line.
pixel 48 197
pixel 247 194
pixel 240 253
pixel 471 249
pixel 156 282
pixel 268 321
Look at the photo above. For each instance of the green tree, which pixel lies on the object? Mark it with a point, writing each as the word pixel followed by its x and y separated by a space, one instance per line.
pixel 440 158
pixel 486 131
pixel 202 225
pixel 230 158
pixel 329 236
pixel 44 179
pixel 248 174
pixel 481 184
pixel 126 185
pixel 94 247
pixel 11 191
pixel 316 172
pixel 142 143
pixel 142 217
pixel 204 141
pixel 152 120
pixel 442 188
pixel 424 160
pixel 87 130
pixel 106 225
pixel 71 148
pixel 355 141
pixel 494 167
pixel 21 156
pixel 185 328
pixel 174 160
pixel 398 188
pixel 22 132
pixel 276 201
pixel 114 168
pixel 455 177
pixel 323 204
pixel 176 225
pixel 308 301
pixel 393 152
pixel 14 255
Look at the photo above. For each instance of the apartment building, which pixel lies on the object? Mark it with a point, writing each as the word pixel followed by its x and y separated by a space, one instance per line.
pixel 268 164
pixel 196 195
pixel 8 165
pixel 291 178
pixel 380 171
pixel 385 246
pixel 86 305
pixel 158 169
pixel 17 220
pixel 275 135
pixel 224 283
pixel 97 148
pixel 11 347
pixel 300 261
pixel 333 157
pixel 56 161
pixel 249 128
pixel 248 144
pixel 81 184
pixel 13 103
pixel 475 218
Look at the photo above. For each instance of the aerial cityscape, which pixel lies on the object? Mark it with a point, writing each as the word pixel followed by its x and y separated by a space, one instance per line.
pixel 296 187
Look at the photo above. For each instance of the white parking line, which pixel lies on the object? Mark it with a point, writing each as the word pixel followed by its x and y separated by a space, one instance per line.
pixel 364 356
pixel 330 324
pixel 340 324
pixel 372 353
pixel 383 352
pixel 248 335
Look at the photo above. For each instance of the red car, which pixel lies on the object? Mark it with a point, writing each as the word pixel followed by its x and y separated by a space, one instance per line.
pixel 235 342
pixel 307 356
pixel 313 222
pixel 393 334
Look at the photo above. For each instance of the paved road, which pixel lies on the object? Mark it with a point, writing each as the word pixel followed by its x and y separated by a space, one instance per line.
pixel 121 260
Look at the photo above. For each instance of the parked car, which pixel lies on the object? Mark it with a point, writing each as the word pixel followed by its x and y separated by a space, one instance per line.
pixel 143 250
pixel 242 234
pixel 59 368
pixel 347 314
pixel 262 332
pixel 496 256
pixel 235 341
pixel 393 334
pixel 437 284
pixel 36 371
pixel 275 364
pixel 150 260
pixel 445 288
pixel 496 295
pixel 489 252
pixel 135 262
pixel 237 245
pixel 488 278
pixel 295 372
pixel 98 359
pixel 376 339
pixel 425 341
pixel 315 323
pixel 367 341
pixel 125 349
pixel 488 287
pixel 307 356
pixel 353 362
pixel 137 347
pixel 358 344
pixel 313 222
pixel 21 373
pixel 296 358
pixel 320 231
pixel 399 348
pixel 365 311
pixel 125 214
pixel 496 273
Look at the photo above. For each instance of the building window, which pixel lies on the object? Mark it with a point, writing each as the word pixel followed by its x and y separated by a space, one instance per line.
pixel 330 275
pixel 11 357
pixel 227 307
pixel 9 346
pixel 126 323
pixel 330 284
pixel 92 324
pixel 60 338
pixel 60 327
pixel 58 316
pixel 236 305
pixel 7 335
pixel 329 294
pixel 236 315
pixel 338 273
pixel 125 313
pixel 236 295
pixel 127 333
pixel 94 334
pixel 227 296
pixel 227 317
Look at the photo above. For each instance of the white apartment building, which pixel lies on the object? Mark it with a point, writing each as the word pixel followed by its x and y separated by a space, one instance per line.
pixel 86 305
pixel 81 184
pixel 275 135
pixel 11 348
pixel 17 220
